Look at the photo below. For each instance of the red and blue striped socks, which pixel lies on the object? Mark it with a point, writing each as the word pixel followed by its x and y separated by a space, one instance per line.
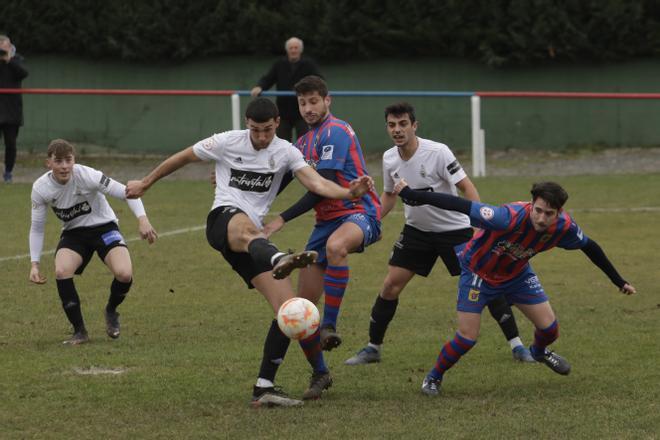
pixel 334 285
pixel 543 338
pixel 450 354
pixel 312 348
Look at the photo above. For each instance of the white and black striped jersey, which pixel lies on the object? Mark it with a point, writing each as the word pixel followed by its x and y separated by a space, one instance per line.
pixel 245 177
pixel 433 167
pixel 79 202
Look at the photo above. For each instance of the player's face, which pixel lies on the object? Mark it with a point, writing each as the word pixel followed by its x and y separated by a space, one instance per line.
pixel 543 215
pixel 401 130
pixel 61 167
pixel 262 133
pixel 313 107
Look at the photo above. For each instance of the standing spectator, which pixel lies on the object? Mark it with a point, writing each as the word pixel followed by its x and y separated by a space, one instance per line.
pixel 12 73
pixel 284 73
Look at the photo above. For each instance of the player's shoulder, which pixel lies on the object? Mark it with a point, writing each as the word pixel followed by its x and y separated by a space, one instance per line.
pixel 279 144
pixel 391 154
pixel 339 127
pixel 42 181
pixel 431 146
pixel 84 173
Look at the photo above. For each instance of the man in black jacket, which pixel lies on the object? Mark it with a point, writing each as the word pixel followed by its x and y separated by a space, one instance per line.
pixel 12 73
pixel 284 73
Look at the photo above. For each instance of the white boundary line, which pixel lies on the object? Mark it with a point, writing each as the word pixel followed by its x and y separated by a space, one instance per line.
pixel 396 211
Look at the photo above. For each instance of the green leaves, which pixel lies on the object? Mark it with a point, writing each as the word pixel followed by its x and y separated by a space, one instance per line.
pixel 497 33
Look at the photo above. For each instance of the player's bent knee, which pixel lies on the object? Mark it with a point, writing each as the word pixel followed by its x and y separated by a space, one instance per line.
pixel 62 273
pixel 336 251
pixel 123 276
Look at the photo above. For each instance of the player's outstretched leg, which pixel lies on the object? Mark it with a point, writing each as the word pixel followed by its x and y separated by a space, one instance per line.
pixel 450 353
pixel 118 291
pixel 540 352
pixel 335 281
pixel 321 379
pixel 265 393
pixel 71 305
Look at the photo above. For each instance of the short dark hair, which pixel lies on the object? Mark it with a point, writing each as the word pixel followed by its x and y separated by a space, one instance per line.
pixel 311 84
pixel 261 110
pixel 551 192
pixel 59 149
pixel 400 109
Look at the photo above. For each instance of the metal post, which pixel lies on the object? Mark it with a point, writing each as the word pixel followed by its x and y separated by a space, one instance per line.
pixel 477 138
pixel 235 112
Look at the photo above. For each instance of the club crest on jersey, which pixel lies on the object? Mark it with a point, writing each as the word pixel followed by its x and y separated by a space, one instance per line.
pixel 207 144
pixel 326 152
pixel 486 213
pixel 250 181
pixel 422 171
pixel 473 295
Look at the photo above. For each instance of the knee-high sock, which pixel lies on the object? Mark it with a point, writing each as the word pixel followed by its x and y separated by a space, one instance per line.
pixel 544 337
pixel 501 311
pixel 450 354
pixel 334 285
pixel 312 348
pixel 263 251
pixel 118 291
pixel 275 349
pixel 71 303
pixel 381 314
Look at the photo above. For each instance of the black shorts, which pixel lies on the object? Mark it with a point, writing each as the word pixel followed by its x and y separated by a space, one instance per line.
pixel 418 251
pixel 87 240
pixel 216 235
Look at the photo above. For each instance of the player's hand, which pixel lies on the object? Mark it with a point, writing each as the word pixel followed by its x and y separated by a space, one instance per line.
pixel 256 91
pixel 135 189
pixel 273 226
pixel 360 186
pixel 399 186
pixel 147 232
pixel 35 275
pixel 213 181
pixel 627 289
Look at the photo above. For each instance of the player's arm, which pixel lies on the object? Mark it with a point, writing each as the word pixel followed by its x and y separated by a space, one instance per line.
pixel 481 215
pixel 315 183
pixel 116 189
pixel 437 199
pixel 598 257
pixel 137 188
pixel 304 204
pixel 467 188
pixel 36 239
pixel 388 202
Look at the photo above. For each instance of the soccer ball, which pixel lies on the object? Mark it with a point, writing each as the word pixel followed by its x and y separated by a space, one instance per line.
pixel 298 318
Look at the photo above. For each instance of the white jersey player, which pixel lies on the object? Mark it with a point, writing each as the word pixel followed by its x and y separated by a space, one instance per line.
pixel 249 167
pixel 429 232
pixel 76 194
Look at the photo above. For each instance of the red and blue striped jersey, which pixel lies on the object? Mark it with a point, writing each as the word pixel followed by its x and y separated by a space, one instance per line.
pixel 334 145
pixel 507 240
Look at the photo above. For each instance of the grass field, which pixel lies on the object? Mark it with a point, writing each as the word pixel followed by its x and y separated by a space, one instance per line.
pixel 192 336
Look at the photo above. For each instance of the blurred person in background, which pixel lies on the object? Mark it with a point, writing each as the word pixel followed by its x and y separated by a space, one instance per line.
pixel 12 73
pixel 284 73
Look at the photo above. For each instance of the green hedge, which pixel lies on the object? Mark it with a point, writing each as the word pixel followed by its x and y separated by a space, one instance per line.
pixel 495 32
